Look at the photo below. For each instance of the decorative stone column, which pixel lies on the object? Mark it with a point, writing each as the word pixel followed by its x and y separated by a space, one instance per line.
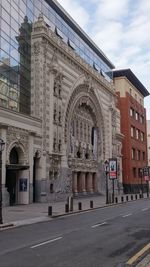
pixel 74 184
pixel 95 182
pixel 90 184
pixel 83 182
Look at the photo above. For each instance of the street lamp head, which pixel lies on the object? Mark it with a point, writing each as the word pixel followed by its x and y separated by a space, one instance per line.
pixel 2 145
pixel 106 162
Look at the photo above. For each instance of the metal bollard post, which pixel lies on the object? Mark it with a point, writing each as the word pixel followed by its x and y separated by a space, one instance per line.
pixel 131 197
pixel 71 204
pixel 50 211
pixel 116 200
pixel 122 199
pixel 66 208
pixel 127 198
pixel 79 206
pixel 136 196
pixel 91 204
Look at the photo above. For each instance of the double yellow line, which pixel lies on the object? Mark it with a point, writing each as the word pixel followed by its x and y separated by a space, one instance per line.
pixel 138 255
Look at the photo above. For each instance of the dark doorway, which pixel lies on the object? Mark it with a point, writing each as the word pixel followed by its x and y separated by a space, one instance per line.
pixel 11 181
pixel 35 167
pixel 11 177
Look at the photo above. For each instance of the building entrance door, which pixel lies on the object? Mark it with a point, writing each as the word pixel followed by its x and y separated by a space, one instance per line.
pixel 11 182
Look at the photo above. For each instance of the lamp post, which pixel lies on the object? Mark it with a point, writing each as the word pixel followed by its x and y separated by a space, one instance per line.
pixel 106 175
pixel 2 145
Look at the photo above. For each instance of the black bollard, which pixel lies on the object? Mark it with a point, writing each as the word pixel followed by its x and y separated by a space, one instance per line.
pixel 71 204
pixel 50 211
pixel 66 208
pixel 91 204
pixel 79 205
pixel 127 198
pixel 116 200
pixel 122 199
pixel 131 197
pixel 136 196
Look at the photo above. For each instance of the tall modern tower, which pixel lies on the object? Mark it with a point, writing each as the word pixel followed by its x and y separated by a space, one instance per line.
pixel 16 18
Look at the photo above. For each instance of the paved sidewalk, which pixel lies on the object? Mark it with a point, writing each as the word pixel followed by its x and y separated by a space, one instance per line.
pixel 27 214
pixel 145 262
pixel 36 212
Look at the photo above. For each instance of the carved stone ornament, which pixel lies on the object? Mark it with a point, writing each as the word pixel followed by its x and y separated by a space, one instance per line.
pixel 88 82
pixel 40 25
pixel 37 153
pixel 54 66
pixel 36 48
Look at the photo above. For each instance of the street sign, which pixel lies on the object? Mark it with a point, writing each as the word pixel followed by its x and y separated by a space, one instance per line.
pixel 112 168
pixel 146 173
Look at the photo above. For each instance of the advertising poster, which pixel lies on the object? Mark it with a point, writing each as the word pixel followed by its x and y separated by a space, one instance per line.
pixel 23 184
pixel 112 168
pixel 146 173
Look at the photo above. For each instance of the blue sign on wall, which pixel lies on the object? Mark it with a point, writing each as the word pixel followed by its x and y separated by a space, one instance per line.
pixel 23 184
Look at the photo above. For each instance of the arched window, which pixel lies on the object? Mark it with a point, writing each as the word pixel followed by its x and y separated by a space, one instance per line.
pixel 92 136
pixel 13 158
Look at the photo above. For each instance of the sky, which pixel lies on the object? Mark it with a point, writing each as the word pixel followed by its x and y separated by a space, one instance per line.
pixel 121 29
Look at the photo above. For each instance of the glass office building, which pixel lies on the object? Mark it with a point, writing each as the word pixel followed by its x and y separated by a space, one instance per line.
pixel 16 18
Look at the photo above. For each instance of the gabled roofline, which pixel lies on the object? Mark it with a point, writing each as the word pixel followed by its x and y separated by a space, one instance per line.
pixel 133 79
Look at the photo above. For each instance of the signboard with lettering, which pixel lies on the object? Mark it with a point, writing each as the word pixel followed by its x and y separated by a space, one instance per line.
pixel 113 168
pixel 146 173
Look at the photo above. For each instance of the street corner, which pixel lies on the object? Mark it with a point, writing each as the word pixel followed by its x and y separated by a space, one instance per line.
pixel 145 261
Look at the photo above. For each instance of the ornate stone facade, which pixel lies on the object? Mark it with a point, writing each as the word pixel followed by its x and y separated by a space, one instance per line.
pixel 73 128
pixel 79 118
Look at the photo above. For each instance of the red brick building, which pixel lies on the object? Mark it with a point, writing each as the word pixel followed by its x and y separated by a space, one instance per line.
pixel 130 101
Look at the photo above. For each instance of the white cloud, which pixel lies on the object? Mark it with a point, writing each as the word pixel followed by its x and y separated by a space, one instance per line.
pixel 120 29
pixel 114 31
pixel 113 9
pixel 76 11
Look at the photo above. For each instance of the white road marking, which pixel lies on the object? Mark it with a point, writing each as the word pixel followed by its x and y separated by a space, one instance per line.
pixel 127 215
pixel 97 225
pixel 46 242
pixel 145 209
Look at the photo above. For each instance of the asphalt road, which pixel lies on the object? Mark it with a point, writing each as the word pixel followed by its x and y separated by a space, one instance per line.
pixel 106 237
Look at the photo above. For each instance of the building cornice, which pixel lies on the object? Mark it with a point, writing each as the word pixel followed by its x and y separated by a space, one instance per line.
pixel 127 73
pixel 9 118
pixel 46 35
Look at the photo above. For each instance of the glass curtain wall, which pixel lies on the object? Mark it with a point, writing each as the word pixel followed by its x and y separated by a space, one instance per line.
pixel 16 18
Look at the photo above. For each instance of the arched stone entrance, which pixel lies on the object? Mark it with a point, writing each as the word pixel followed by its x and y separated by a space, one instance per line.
pixel 84 135
pixel 17 177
